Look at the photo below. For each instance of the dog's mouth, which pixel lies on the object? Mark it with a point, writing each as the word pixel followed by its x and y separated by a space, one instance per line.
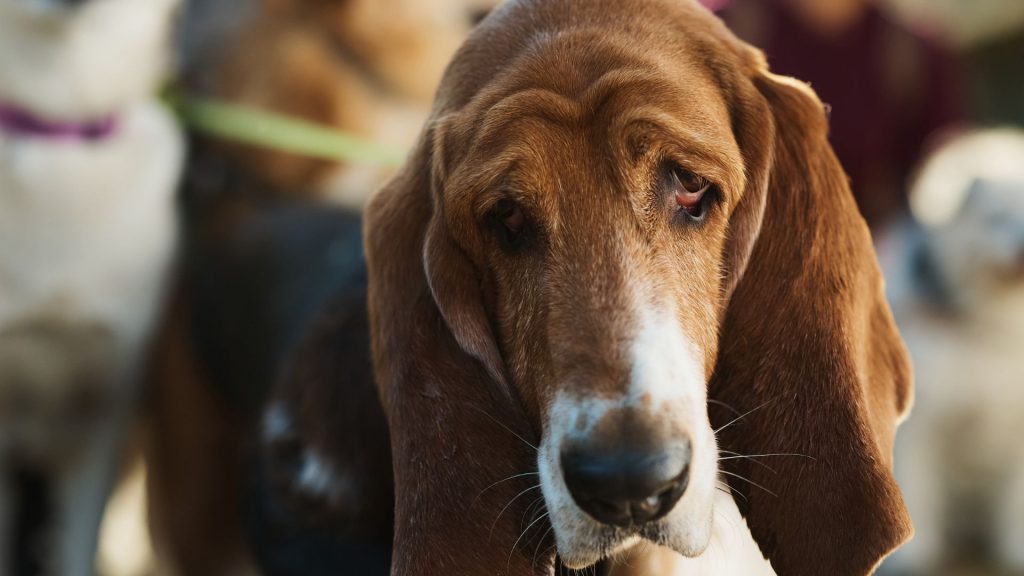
pixel 600 556
pixel 611 542
pixel 602 568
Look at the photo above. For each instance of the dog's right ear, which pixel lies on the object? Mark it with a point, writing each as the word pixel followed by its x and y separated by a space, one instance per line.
pixel 435 364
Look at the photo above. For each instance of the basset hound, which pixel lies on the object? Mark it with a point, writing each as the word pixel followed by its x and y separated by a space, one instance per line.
pixel 622 270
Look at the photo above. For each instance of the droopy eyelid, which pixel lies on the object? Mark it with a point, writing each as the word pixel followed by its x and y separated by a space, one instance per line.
pixel 662 143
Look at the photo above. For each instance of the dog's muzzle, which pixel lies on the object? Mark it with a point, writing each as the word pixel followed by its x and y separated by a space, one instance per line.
pixel 625 482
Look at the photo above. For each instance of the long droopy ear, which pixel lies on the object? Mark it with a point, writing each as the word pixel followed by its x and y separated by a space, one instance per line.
pixel 453 280
pixel 453 438
pixel 810 363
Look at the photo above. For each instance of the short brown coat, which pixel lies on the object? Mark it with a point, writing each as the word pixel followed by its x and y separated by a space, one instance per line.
pixel 781 288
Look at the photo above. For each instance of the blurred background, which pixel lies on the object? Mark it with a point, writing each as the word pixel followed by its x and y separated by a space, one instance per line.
pixel 926 101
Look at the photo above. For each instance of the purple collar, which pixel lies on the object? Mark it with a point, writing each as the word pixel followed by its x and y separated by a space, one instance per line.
pixel 19 122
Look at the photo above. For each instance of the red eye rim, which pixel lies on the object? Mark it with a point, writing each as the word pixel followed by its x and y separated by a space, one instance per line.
pixel 510 222
pixel 690 190
pixel 511 215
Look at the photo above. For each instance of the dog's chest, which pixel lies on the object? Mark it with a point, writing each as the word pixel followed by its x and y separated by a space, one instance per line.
pixel 731 552
pixel 89 225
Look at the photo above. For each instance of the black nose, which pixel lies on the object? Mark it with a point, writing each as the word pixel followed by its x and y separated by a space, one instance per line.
pixel 626 486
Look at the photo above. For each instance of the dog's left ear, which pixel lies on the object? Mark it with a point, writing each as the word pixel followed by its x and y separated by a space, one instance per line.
pixel 809 360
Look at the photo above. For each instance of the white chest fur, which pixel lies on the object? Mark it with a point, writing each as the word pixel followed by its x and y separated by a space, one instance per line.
pixel 732 551
pixel 90 227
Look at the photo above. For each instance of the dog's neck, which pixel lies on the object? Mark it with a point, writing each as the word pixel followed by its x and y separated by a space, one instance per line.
pixel 20 122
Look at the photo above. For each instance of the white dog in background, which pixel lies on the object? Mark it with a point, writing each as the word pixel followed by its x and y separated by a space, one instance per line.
pixel 956 281
pixel 89 162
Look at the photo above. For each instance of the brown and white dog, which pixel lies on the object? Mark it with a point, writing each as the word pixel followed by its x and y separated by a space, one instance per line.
pixel 622 265
pixel 89 163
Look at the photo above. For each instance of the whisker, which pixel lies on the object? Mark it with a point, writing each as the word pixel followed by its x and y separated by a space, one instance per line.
pixel 508 562
pixel 737 454
pixel 549 549
pixel 514 498
pixel 742 416
pixel 730 491
pixel 752 459
pixel 503 480
pixel 723 405
pixel 539 542
pixel 534 507
pixel 748 480
pixel 511 431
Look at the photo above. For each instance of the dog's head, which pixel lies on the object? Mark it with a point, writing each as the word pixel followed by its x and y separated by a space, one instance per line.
pixel 970 198
pixel 617 212
pixel 75 60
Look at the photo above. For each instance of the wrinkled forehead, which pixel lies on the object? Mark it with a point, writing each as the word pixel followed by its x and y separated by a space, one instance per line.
pixel 574 108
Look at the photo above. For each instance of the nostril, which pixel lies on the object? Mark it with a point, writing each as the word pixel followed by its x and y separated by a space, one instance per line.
pixel 614 512
pixel 626 487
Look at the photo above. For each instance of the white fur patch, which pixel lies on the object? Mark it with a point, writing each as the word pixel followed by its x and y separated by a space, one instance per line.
pixel 277 423
pixel 317 477
pixel 666 365
pixel 667 379
pixel 947 176
pixel 731 552
pixel 84 62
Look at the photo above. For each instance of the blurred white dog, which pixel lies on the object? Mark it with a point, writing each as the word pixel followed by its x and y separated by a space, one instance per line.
pixel 956 281
pixel 88 165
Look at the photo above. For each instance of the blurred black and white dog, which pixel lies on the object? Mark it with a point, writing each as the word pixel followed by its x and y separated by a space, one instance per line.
pixel 956 280
pixel 88 165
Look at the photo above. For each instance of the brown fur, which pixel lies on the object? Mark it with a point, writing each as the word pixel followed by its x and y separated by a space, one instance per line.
pixel 368 67
pixel 569 107
pixel 194 452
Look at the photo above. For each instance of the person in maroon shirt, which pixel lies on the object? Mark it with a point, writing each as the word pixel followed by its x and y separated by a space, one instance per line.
pixel 889 87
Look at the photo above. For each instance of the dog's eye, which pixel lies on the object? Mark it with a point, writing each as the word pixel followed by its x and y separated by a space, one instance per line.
pixel 690 190
pixel 509 222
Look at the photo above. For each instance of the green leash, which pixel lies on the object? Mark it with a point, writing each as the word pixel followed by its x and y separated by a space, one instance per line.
pixel 257 127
